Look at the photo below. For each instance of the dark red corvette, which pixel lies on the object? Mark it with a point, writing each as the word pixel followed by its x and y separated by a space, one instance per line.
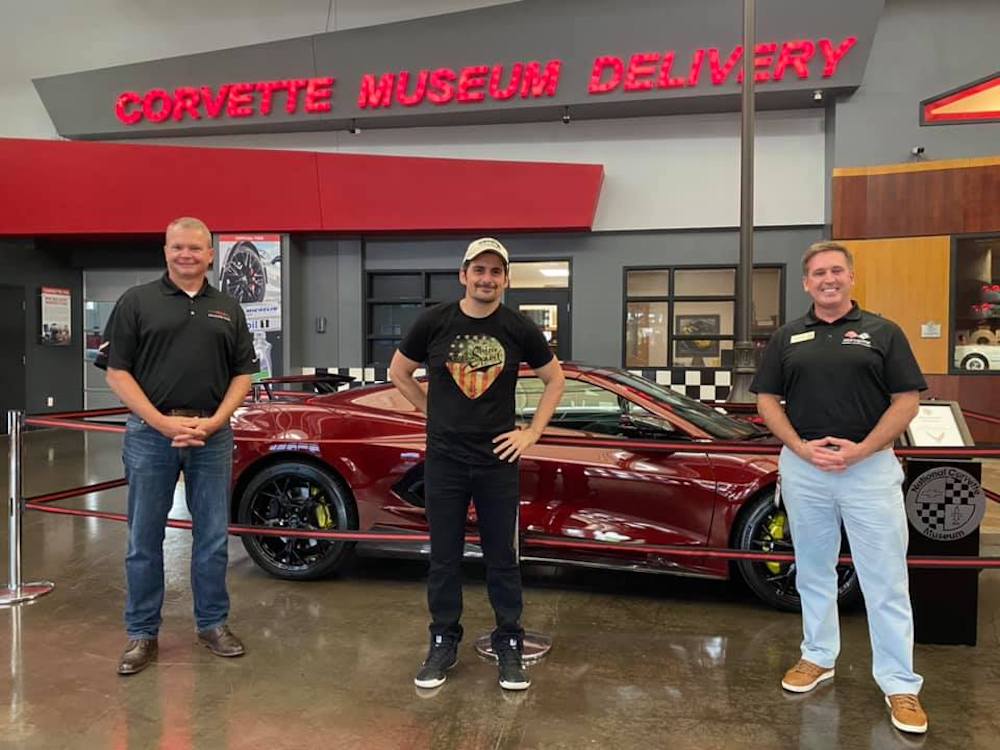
pixel 354 460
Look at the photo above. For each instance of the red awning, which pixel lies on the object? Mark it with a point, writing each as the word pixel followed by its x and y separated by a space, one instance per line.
pixel 59 187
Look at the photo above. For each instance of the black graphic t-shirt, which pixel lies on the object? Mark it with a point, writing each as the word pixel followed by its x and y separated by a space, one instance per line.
pixel 472 368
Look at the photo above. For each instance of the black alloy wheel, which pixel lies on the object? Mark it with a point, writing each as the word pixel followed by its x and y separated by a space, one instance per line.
pixel 297 495
pixel 763 527
pixel 244 277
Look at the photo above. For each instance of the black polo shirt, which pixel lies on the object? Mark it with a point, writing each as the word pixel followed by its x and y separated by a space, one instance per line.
pixel 182 350
pixel 837 378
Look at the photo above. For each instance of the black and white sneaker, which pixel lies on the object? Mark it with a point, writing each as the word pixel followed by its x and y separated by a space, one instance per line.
pixel 442 656
pixel 512 675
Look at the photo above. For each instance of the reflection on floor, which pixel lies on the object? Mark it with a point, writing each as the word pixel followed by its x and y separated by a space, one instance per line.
pixel 638 661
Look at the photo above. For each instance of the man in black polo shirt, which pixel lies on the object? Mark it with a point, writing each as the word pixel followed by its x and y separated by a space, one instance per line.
pixel 473 349
pixel 179 356
pixel 851 386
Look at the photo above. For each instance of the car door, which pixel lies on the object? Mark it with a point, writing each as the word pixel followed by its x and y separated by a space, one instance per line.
pixel 612 494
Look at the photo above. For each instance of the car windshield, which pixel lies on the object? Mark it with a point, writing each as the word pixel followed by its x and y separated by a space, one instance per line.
pixel 708 419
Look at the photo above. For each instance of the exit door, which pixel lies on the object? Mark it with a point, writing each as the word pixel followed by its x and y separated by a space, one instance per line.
pixel 550 311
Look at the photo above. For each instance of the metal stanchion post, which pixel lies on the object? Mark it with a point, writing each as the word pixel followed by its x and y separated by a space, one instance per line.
pixel 16 591
pixel 536 645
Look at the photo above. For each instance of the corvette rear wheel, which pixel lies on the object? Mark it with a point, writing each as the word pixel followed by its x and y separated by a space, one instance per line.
pixel 301 496
pixel 763 527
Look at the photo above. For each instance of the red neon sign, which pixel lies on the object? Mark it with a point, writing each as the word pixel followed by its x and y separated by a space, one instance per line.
pixel 471 85
pixel 645 71
pixel 468 85
pixel 234 100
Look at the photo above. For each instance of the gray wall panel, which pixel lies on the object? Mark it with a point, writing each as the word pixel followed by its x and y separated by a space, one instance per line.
pixel 922 48
pixel 313 275
pixel 572 31
pixel 55 371
pixel 326 280
pixel 597 263
pixel 350 294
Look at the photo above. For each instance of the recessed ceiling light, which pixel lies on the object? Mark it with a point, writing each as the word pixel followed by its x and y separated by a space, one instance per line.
pixel 555 272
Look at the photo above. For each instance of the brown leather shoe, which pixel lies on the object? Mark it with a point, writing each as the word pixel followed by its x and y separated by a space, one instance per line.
pixel 907 713
pixel 221 641
pixel 805 676
pixel 137 655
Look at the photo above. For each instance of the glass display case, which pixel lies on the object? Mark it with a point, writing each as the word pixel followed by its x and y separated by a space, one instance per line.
pixel 976 306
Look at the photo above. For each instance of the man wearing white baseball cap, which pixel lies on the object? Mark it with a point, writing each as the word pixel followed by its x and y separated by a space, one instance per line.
pixel 473 349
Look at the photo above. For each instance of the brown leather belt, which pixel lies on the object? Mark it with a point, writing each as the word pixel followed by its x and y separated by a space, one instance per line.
pixel 189 413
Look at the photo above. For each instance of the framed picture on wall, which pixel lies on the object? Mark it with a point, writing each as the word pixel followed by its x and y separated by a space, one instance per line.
pixel 56 316
pixel 694 325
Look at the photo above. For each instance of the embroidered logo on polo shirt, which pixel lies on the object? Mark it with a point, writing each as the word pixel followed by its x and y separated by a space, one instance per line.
pixel 220 315
pixel 857 339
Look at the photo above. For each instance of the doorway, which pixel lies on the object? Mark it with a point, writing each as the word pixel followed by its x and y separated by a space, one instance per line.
pixel 541 291
pixel 12 353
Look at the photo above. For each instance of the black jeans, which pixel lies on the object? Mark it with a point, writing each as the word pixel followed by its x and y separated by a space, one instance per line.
pixel 495 491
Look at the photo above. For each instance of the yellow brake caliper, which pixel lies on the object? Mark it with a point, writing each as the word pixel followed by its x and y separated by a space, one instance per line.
pixel 323 518
pixel 776 529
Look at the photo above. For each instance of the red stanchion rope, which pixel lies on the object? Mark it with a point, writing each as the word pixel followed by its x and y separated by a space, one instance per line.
pixel 633 446
pixel 988 418
pixel 110 412
pixel 79 425
pixel 70 420
pixel 51 497
pixel 531 540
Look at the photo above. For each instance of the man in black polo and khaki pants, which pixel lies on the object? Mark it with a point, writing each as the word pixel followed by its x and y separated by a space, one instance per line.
pixel 851 386
pixel 180 357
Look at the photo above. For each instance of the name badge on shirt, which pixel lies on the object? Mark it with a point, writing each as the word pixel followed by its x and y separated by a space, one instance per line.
pixel 798 338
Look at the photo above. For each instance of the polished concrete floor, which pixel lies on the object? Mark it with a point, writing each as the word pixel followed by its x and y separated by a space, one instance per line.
pixel 638 661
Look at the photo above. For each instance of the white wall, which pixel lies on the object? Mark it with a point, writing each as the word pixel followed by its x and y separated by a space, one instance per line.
pixel 660 172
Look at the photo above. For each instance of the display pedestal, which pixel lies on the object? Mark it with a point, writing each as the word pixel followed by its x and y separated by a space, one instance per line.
pixel 944 506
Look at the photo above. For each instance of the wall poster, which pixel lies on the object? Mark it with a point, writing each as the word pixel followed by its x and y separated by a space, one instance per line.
pixel 56 316
pixel 249 267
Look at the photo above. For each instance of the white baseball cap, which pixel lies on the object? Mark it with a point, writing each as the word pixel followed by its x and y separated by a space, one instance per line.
pixel 486 245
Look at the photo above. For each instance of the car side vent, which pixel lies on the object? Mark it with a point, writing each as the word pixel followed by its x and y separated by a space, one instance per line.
pixel 411 487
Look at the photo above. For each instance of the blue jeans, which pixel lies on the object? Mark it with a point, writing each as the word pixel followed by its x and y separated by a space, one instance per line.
pixel 152 468
pixel 868 498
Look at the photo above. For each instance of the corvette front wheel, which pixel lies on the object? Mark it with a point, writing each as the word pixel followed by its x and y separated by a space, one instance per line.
pixel 763 527
pixel 300 496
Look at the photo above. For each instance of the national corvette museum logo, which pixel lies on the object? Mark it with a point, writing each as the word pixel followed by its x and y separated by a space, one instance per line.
pixel 858 339
pixel 475 362
pixel 945 504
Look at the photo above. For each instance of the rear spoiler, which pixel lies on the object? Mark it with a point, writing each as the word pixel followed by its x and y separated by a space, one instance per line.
pixel 321 382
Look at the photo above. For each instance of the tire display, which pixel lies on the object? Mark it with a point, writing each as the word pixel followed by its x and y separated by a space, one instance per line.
pixel 244 276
